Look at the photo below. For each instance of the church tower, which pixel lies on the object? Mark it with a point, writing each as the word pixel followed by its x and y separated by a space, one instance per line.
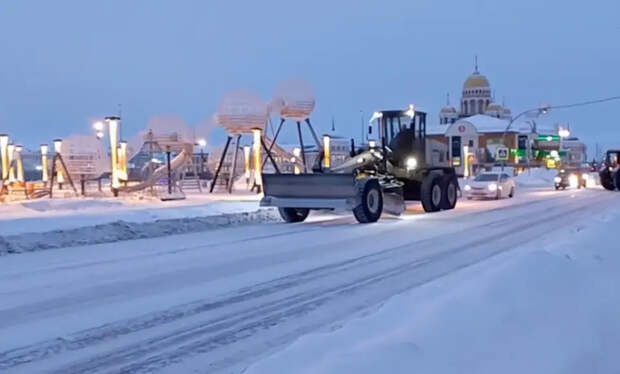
pixel 476 95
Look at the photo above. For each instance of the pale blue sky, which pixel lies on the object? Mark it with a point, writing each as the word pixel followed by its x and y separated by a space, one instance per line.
pixel 65 62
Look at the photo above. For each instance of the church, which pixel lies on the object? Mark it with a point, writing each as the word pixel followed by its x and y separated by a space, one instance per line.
pixel 476 98
pixel 471 134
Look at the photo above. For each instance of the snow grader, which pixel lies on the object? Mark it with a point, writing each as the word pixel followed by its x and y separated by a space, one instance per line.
pixel 610 170
pixel 404 165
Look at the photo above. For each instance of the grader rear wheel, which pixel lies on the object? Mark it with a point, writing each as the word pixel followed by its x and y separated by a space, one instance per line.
pixel 431 193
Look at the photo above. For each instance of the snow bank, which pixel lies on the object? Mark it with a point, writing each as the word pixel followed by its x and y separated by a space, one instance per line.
pixel 122 230
pixel 61 214
pixel 537 177
pixel 554 308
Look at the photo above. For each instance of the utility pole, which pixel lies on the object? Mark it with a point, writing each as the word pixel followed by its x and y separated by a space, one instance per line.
pixel 362 126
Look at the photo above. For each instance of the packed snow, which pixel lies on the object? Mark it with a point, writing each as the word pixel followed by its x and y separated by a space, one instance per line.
pixel 255 296
pixel 537 177
pixel 58 223
pixel 551 306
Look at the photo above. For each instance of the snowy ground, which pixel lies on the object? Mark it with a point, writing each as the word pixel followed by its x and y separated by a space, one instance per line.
pixel 229 298
pixel 68 213
pixel 551 305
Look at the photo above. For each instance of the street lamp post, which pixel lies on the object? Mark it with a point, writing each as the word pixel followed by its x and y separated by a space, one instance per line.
pixel 114 127
pixel 536 111
pixel 44 150
pixel 58 151
pixel 19 165
pixel 563 133
pixel 11 150
pixel 4 144
pixel 256 145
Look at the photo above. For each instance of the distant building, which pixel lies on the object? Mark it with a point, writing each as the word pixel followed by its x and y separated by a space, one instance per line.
pixel 476 99
pixel 471 136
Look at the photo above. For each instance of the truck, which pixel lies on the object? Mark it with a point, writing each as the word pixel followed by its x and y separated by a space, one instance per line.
pixel 381 177
pixel 609 172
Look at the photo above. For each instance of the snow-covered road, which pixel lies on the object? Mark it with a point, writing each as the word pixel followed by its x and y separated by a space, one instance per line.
pixel 219 300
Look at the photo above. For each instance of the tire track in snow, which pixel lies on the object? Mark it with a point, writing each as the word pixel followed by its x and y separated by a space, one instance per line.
pixel 213 332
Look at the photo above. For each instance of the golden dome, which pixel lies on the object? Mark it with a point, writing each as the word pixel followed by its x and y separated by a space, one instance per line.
pixel 494 108
pixel 476 80
pixel 448 109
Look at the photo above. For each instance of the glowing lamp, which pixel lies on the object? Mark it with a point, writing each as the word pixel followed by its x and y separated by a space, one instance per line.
pixel 4 143
pixel 296 153
pixel 113 125
pixel 11 151
pixel 19 164
pixel 246 158
pixel 410 111
pixel 44 150
pixel 256 144
pixel 326 152
pixel 58 150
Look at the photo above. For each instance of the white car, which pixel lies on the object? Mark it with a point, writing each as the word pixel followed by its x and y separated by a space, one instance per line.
pixel 490 185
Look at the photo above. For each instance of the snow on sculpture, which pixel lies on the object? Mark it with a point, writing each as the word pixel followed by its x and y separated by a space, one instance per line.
pixel 170 126
pixel 240 111
pixel 294 99
pixel 85 155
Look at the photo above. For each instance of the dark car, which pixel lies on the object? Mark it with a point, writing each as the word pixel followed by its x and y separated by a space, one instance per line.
pixel 573 177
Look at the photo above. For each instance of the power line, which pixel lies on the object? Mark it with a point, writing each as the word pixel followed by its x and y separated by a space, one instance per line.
pixel 583 103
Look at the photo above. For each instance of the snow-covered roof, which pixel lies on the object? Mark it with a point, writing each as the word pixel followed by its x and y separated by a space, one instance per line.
pixel 483 124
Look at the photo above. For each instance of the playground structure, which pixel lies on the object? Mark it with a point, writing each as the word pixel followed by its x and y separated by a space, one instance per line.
pixel 161 160
pixel 244 113
pixel 294 100
pixel 151 173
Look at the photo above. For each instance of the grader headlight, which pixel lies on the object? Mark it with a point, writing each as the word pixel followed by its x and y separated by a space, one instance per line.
pixel 411 163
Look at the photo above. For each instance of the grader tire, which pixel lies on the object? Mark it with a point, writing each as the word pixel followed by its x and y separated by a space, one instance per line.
pixel 371 206
pixel 607 180
pixel 431 193
pixel 293 215
pixel 449 188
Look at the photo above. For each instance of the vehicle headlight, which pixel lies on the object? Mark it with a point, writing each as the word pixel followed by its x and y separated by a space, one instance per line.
pixel 573 180
pixel 492 187
pixel 557 179
pixel 411 163
pixel 467 187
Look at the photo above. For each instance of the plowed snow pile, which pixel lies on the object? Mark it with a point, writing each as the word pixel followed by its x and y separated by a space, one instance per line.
pixel 539 177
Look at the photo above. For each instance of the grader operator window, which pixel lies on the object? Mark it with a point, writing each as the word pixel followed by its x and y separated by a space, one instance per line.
pixel 394 125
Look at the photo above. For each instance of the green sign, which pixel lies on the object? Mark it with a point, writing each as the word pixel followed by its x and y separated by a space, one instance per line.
pixel 548 138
